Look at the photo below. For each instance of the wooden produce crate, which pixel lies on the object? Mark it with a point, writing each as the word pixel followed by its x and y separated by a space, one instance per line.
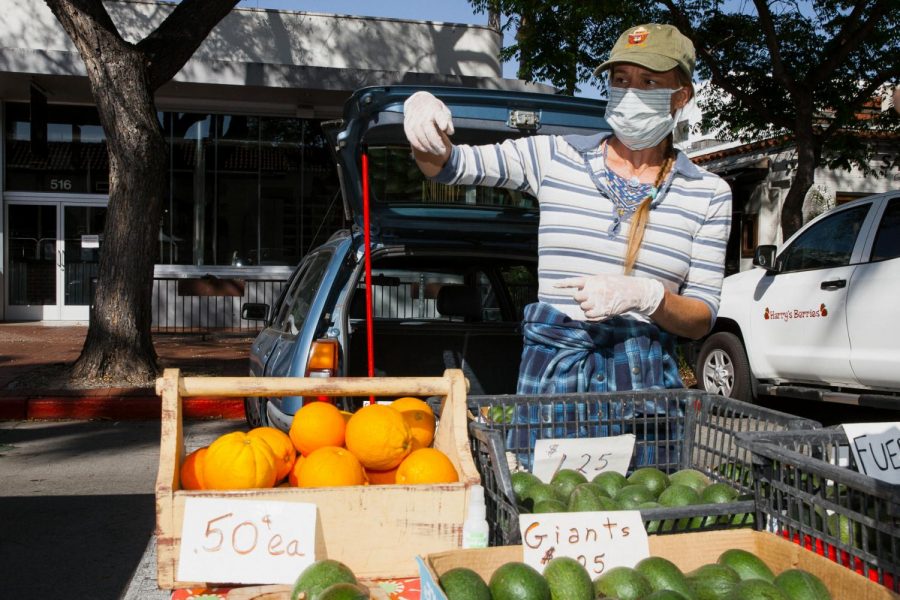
pixel 377 530
pixel 778 553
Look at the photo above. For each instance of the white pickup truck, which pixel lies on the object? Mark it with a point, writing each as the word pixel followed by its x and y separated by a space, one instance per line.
pixel 818 320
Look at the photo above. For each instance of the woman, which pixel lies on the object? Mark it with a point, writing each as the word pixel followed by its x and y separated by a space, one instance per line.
pixel 632 236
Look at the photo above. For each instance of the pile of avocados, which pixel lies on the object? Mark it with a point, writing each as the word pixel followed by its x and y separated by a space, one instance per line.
pixel 736 575
pixel 645 488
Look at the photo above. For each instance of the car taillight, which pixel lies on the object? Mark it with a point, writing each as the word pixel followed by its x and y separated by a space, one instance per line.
pixel 323 361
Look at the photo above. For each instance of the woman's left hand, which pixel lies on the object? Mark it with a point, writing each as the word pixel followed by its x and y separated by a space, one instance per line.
pixel 604 296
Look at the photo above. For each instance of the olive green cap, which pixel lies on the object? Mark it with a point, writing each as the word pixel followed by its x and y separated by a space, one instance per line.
pixel 653 46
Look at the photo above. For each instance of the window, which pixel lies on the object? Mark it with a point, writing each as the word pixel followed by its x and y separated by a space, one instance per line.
pixel 887 238
pixel 300 297
pixel 522 284
pixel 828 243
pixel 406 294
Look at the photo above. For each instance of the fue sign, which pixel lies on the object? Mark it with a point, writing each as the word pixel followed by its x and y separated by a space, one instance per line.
pixel 246 541
pixel 598 540
pixel 876 448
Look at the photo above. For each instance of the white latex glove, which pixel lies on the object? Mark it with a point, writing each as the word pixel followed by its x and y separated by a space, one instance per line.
pixel 423 117
pixel 604 296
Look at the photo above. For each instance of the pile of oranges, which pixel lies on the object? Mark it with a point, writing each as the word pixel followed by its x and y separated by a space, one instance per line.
pixel 378 444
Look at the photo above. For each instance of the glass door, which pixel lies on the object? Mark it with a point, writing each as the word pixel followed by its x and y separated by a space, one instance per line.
pixel 82 228
pixel 34 262
pixel 54 254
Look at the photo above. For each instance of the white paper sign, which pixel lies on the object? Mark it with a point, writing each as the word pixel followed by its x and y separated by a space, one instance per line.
pixel 876 448
pixel 90 241
pixel 588 456
pixel 246 541
pixel 598 540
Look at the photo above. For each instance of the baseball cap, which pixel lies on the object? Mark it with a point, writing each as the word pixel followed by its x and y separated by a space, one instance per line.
pixel 653 46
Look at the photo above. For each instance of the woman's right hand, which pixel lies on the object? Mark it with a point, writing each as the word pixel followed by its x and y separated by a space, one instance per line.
pixel 427 123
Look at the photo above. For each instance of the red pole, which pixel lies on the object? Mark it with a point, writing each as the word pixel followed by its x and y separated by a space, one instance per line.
pixel 370 339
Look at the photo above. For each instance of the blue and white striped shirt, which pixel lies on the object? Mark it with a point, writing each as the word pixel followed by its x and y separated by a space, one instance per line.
pixel 684 241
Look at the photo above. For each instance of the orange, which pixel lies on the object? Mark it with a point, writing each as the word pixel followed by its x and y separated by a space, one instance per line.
pixel 237 461
pixel 330 466
pixel 426 465
pixel 192 470
pixel 316 425
pixel 282 447
pixel 292 476
pixel 420 418
pixel 379 437
pixel 381 477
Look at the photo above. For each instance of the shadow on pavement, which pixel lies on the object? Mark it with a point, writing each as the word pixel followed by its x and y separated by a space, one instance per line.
pixel 49 545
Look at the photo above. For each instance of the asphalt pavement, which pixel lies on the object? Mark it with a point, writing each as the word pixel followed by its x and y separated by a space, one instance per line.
pixel 77 506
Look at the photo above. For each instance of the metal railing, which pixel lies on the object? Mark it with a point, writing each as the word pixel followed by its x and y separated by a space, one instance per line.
pixel 174 310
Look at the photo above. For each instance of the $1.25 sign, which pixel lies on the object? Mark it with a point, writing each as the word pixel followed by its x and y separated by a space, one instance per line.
pixel 246 541
pixel 588 456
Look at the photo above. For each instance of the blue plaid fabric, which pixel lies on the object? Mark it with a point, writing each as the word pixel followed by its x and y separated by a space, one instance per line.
pixel 562 355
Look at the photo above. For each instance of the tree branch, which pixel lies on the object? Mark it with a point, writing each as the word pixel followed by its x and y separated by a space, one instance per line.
pixel 848 39
pixel 778 67
pixel 864 94
pixel 81 18
pixel 173 43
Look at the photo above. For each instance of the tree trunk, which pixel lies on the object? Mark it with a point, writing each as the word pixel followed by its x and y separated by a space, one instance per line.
pixel 808 151
pixel 119 346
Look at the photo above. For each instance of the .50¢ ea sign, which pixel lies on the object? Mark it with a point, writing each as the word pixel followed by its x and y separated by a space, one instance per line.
pixel 246 541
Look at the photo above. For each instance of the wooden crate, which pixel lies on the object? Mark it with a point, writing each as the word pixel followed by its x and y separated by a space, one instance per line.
pixel 689 551
pixel 376 530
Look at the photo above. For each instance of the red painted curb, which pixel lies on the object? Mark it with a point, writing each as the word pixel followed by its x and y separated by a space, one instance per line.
pixel 114 407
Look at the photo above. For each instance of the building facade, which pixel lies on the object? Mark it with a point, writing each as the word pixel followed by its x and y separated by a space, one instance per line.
pixel 251 181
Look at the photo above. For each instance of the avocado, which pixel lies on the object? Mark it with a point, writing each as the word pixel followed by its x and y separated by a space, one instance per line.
pixel 631 495
pixel 801 585
pixel 565 481
pixel 549 506
pixel 584 498
pixel 756 589
pixel 651 478
pixel 713 581
pixel 623 583
pixel 464 584
pixel 679 495
pixel 538 492
pixel 665 595
pixel 611 482
pixel 521 481
pixel 344 591
pixel 691 478
pixel 746 565
pixel 664 575
pixel 518 581
pixel 568 580
pixel 318 576
pixel 718 493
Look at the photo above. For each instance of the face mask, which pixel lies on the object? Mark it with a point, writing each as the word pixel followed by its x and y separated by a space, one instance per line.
pixel 640 118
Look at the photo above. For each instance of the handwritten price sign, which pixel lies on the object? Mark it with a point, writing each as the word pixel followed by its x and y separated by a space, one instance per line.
pixel 876 448
pixel 246 541
pixel 598 540
pixel 588 456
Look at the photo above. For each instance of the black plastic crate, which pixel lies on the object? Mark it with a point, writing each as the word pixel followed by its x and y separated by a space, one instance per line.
pixel 674 429
pixel 809 490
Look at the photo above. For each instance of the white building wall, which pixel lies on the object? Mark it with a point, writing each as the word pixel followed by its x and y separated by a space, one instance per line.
pixel 270 37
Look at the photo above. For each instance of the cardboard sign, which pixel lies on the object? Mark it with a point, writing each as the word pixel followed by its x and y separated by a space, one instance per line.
pixel 429 589
pixel 246 541
pixel 876 448
pixel 588 456
pixel 598 540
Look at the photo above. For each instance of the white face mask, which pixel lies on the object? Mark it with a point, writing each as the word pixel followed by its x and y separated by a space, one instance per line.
pixel 640 118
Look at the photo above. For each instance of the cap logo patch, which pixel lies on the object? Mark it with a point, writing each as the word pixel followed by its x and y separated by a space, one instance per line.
pixel 638 36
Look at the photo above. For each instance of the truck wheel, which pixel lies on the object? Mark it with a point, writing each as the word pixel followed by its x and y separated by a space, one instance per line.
pixel 722 367
pixel 255 412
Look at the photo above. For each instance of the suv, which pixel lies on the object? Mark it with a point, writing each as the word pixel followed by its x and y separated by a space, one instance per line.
pixel 452 267
pixel 819 321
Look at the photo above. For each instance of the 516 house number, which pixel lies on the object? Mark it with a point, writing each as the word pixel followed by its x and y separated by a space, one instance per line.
pixel 223 534
pixel 61 185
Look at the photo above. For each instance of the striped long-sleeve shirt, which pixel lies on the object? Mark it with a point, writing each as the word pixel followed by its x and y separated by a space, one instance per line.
pixel 684 241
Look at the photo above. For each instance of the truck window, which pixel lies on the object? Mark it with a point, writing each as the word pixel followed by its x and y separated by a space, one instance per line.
pixel 300 297
pixel 828 243
pixel 887 238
